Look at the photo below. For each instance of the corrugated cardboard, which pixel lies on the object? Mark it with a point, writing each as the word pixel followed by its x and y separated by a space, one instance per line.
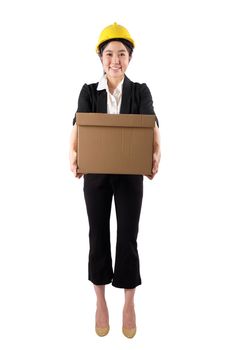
pixel 115 143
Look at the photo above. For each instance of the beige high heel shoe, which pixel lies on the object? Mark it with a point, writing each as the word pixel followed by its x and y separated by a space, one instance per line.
pixel 101 332
pixel 129 332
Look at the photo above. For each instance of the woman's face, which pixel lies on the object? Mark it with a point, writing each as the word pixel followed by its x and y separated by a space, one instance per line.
pixel 115 59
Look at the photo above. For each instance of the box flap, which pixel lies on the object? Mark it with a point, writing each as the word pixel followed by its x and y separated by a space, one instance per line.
pixel 104 119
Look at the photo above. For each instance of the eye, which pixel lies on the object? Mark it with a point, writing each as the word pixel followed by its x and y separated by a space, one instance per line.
pixel 109 54
pixel 122 54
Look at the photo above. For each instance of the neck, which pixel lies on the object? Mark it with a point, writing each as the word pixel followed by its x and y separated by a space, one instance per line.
pixel 113 82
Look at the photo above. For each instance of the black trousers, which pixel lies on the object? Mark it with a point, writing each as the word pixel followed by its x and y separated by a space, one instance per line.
pixel 127 190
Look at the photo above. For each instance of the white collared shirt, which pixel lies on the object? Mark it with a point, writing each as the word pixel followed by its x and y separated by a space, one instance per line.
pixel 113 100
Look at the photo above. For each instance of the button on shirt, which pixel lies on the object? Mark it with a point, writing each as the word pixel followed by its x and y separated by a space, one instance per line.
pixel 113 100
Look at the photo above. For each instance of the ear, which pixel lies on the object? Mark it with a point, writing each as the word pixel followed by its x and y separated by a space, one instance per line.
pixel 101 59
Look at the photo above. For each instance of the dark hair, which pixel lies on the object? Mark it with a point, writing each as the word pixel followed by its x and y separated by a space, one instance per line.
pixel 126 43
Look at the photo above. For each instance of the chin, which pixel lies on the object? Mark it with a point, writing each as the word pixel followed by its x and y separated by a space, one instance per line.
pixel 116 74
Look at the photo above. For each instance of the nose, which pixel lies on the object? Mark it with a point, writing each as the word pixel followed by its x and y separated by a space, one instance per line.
pixel 115 59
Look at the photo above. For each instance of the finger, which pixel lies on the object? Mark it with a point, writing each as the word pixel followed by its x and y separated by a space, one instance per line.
pixel 155 170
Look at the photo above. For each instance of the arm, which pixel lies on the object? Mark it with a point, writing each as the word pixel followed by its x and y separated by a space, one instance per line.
pixel 156 153
pixel 84 105
pixel 73 151
pixel 146 107
pixel 146 102
pixel 84 101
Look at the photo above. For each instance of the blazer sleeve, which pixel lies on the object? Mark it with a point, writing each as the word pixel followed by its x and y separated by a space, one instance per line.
pixel 84 101
pixel 146 102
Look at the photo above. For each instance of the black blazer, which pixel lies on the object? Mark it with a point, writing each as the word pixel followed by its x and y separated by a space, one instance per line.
pixel 136 99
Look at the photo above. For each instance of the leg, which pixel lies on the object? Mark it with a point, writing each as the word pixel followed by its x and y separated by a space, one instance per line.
pixel 98 197
pixel 128 192
pixel 129 317
pixel 101 318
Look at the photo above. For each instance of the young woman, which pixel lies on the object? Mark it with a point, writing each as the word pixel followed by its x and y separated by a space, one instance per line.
pixel 114 93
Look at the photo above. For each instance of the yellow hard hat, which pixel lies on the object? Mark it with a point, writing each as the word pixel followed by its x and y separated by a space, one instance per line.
pixel 114 31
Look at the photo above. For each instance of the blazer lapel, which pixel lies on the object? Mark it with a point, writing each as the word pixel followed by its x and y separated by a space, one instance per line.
pixel 126 96
pixel 101 101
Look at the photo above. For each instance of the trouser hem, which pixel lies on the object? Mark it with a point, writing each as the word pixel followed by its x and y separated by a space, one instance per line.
pixel 100 283
pixel 126 285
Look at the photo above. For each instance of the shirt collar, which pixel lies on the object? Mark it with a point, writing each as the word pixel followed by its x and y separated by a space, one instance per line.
pixel 103 85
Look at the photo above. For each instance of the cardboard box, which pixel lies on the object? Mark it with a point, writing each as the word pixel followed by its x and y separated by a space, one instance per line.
pixel 115 143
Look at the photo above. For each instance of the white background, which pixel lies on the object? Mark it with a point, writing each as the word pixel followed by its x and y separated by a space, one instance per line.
pixel 184 53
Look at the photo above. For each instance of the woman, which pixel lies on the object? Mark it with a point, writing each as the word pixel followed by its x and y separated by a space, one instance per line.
pixel 114 93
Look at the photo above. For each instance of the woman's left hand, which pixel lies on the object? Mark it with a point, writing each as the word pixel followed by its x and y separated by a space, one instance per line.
pixel 155 165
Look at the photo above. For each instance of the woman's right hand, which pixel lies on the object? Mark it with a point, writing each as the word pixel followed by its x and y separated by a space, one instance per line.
pixel 74 165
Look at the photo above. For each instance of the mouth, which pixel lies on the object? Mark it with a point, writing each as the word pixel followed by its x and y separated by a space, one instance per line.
pixel 115 69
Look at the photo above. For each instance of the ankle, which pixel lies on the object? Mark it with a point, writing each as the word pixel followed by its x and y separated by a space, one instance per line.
pixel 101 303
pixel 128 306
